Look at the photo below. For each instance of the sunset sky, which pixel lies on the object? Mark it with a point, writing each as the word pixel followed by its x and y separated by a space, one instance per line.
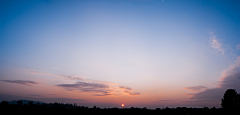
pixel 105 53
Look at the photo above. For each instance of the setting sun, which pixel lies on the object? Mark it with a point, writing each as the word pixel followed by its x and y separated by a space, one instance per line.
pixel 122 105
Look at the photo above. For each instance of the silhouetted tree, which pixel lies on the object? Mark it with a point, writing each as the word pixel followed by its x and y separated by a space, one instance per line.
pixel 230 100
pixel 56 105
pixel 30 103
pixel 213 108
pixel 238 101
pixel 145 108
pixel 20 103
pixel 4 103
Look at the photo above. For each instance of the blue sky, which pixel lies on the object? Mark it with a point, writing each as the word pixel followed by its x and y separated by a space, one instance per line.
pixel 137 52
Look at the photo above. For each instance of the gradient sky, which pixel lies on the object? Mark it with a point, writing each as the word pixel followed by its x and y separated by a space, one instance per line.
pixel 143 53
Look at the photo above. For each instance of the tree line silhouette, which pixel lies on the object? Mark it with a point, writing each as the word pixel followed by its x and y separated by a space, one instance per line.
pixel 230 103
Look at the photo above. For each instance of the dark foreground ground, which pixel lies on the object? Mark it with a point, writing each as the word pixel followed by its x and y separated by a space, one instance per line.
pixel 41 109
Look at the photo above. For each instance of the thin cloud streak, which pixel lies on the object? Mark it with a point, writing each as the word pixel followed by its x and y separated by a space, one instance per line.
pixel 34 95
pixel 129 91
pixel 196 88
pixel 195 101
pixel 238 46
pixel 71 77
pixel 86 87
pixel 23 82
pixel 215 44
pixel 125 87
pixel 99 89
pixel 165 100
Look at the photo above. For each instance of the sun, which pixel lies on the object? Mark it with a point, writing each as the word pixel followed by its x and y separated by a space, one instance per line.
pixel 122 105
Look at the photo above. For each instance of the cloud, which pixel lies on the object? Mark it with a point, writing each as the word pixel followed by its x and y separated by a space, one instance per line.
pixel 98 88
pixel 77 78
pixel 34 95
pixel 23 82
pixel 125 87
pixel 63 99
pixel 215 44
pixel 32 71
pixel 134 93
pixel 129 91
pixel 214 94
pixel 231 76
pixel 70 77
pixel 230 80
pixel 101 94
pixel 196 88
pixel 238 46
pixel 194 101
pixel 165 100
pixel 86 87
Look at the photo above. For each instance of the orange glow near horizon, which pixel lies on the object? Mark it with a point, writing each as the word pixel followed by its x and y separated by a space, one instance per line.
pixel 122 105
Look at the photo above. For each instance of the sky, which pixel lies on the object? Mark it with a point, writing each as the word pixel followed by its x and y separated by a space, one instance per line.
pixel 140 53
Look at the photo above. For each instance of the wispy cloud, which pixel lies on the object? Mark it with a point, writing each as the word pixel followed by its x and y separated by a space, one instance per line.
pixel 231 76
pixel 129 91
pixel 215 44
pixel 195 101
pixel 196 88
pixel 34 95
pixel 71 77
pixel 165 100
pixel 97 88
pixel 78 78
pixel 87 87
pixel 106 94
pixel 125 87
pixel 230 79
pixel 134 93
pixel 63 99
pixel 23 82
pixel 238 46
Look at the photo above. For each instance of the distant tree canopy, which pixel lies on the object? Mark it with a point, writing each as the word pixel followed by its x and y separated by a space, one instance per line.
pixel 231 100
pixel 4 103
pixel 19 102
